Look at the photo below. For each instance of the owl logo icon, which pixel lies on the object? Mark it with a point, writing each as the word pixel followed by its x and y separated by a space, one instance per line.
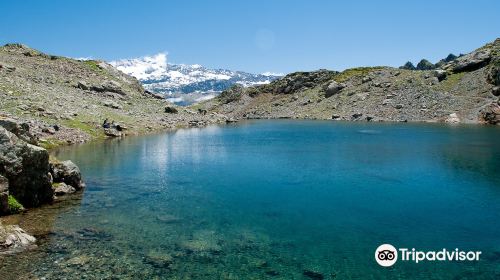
pixel 386 255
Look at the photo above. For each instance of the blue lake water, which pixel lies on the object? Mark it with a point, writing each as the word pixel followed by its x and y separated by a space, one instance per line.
pixel 276 200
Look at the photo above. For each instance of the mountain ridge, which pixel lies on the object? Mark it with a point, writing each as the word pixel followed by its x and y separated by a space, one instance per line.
pixel 184 83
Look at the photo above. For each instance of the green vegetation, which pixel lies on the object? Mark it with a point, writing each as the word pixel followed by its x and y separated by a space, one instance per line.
pixel 93 65
pixel 359 71
pixel 85 127
pixel 451 80
pixel 50 143
pixel 14 205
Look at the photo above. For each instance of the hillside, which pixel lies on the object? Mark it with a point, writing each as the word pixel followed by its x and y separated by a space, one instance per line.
pixel 66 101
pixel 464 90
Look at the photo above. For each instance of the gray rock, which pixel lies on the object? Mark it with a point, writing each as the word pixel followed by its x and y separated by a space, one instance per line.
pixel 469 62
pixel 113 132
pixel 154 95
pixel 356 115
pixel 4 195
pixel 62 189
pixel 20 129
pixel 366 79
pixel 109 86
pixel 49 130
pixel 67 172
pixel 491 114
pixel 333 88
pixel 112 104
pixel 398 106
pixel 440 74
pixel 452 118
pixel 171 110
pixel 496 91
pixel 12 237
pixel 114 86
pixel 26 167
pixel 82 85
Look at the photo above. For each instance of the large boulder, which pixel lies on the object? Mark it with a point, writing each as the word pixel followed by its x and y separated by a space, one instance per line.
pixel 470 62
pixel 333 88
pixel 112 132
pixel 496 91
pixel 440 74
pixel 66 172
pixel 490 114
pixel 109 86
pixel 4 195
pixel 20 129
pixel 171 110
pixel 27 168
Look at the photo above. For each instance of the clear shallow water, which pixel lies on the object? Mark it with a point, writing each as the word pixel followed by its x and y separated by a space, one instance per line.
pixel 274 200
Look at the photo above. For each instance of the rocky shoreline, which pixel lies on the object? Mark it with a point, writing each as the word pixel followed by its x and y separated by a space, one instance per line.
pixel 29 178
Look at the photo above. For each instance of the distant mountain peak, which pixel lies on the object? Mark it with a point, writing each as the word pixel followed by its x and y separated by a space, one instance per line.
pixel 142 68
pixel 184 83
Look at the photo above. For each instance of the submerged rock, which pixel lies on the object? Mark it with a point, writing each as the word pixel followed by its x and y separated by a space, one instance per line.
pixel 62 189
pixel 14 237
pixel 313 274
pixel 167 218
pixel 158 259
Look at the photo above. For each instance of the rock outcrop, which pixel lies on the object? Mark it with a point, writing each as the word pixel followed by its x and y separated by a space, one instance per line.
pixel 460 89
pixel 68 173
pixel 469 62
pixel 491 114
pixel 21 130
pixel 27 175
pixel 26 167
pixel 333 88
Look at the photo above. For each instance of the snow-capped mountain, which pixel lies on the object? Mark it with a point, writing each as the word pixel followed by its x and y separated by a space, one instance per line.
pixel 183 83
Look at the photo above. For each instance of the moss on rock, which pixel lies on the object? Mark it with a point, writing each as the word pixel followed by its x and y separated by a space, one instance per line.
pixel 14 205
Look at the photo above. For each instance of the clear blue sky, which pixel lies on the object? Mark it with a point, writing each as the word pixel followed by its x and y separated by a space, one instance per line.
pixel 257 35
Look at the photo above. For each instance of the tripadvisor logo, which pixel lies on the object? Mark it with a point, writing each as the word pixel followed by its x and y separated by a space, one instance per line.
pixel 387 255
